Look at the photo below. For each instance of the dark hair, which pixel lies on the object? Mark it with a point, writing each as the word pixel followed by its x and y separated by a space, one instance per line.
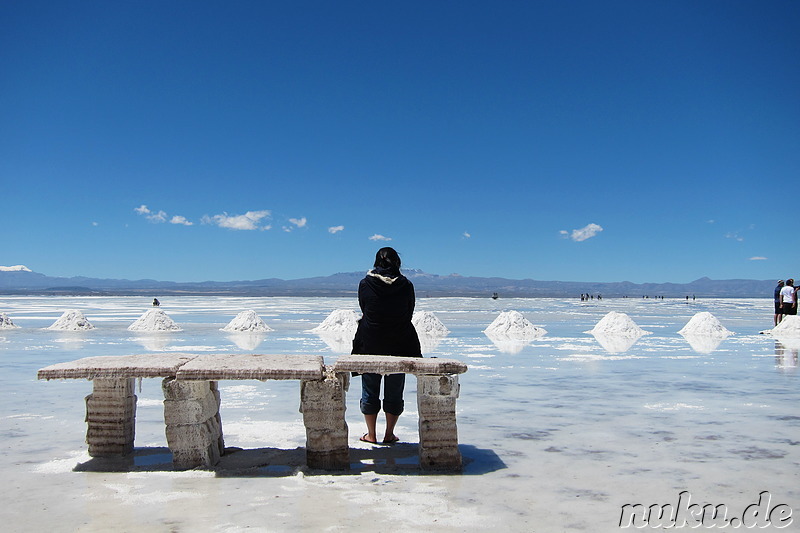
pixel 388 259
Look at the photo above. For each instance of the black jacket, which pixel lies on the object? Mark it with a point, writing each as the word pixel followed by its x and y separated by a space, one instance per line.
pixel 387 305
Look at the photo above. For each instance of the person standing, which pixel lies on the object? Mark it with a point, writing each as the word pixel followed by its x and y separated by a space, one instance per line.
pixel 386 298
pixel 788 298
pixel 778 303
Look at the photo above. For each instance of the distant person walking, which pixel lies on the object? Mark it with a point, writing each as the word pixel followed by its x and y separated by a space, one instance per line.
pixel 788 299
pixel 778 303
pixel 386 298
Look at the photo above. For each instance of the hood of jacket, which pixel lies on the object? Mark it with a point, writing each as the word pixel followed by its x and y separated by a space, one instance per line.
pixel 384 282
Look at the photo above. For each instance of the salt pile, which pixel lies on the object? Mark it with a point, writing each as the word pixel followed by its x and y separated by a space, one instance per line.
pixel 6 323
pixel 247 321
pixel 428 324
pixel 615 323
pixel 339 321
pixel 704 324
pixel 71 320
pixel 789 327
pixel 512 324
pixel 154 320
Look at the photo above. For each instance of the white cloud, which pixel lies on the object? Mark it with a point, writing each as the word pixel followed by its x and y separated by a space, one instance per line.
pixel 178 219
pixel 152 216
pixel 379 237
pixel 466 235
pixel 335 229
pixel 299 222
pixel 758 258
pixel 579 235
pixel 95 224
pixel 248 221
pixel 735 236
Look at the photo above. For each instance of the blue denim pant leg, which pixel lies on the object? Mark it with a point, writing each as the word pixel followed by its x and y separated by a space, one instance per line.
pixel 370 394
pixel 393 386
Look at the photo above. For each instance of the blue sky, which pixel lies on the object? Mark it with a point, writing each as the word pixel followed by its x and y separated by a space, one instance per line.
pixel 594 141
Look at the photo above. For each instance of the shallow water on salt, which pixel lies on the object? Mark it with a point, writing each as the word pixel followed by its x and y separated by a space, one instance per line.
pixel 557 433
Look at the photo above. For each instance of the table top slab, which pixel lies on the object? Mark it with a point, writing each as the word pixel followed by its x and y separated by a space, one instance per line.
pixel 151 365
pixel 210 367
pixel 385 364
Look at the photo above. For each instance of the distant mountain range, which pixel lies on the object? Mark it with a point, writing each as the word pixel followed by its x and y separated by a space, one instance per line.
pixel 20 280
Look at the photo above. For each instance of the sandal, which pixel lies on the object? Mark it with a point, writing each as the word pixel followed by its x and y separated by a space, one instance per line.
pixel 391 440
pixel 365 439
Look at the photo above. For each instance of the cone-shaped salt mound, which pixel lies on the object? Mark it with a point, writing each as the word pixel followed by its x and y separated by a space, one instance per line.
pixel 72 320
pixel 6 323
pixel 340 321
pixel 154 320
pixel 706 325
pixel 428 324
pixel 513 325
pixel 789 327
pixel 615 323
pixel 247 321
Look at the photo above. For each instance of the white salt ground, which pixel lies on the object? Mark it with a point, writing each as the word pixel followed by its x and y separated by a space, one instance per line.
pixel 616 323
pixel 580 434
pixel 247 321
pixel 340 320
pixel 513 325
pixel 6 322
pixel 427 323
pixel 154 320
pixel 704 324
pixel 71 320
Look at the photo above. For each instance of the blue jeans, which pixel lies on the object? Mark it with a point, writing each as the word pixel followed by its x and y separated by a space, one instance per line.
pixel 393 385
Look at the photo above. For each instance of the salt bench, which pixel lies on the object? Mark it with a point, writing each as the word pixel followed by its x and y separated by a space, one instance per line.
pixel 192 400
pixel 437 391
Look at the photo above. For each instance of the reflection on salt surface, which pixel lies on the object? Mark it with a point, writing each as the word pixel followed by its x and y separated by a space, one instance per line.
pixel 338 342
pixel 71 341
pixel 429 343
pixel 616 343
pixel 247 341
pixel 786 354
pixel 703 343
pixel 156 342
pixel 576 418
pixel 506 344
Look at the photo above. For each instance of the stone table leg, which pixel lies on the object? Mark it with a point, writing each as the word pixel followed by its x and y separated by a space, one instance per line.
pixel 111 417
pixel 194 427
pixel 438 434
pixel 322 403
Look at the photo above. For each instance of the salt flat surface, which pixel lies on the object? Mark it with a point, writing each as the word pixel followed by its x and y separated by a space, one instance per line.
pixel 557 434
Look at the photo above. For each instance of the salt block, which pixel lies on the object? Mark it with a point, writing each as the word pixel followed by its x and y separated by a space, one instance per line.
pixel 428 324
pixel 247 321
pixel 615 323
pixel 72 320
pixel 340 320
pixel 704 324
pixel 511 324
